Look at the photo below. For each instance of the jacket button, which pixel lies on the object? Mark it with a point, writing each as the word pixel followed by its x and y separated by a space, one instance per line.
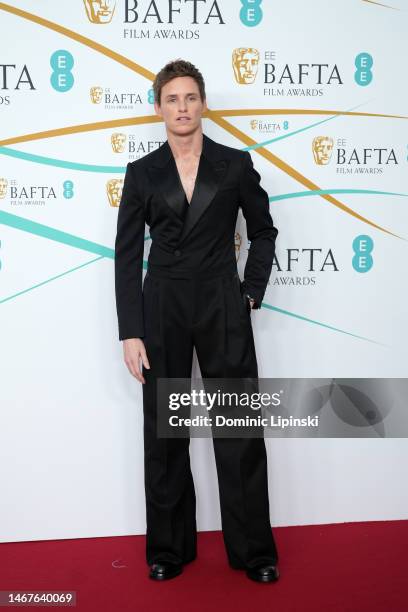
pixel 177 253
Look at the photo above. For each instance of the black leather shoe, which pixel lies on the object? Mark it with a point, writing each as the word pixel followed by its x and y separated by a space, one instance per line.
pixel 263 573
pixel 164 571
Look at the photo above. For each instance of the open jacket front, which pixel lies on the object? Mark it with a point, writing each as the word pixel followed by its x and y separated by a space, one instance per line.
pixel 199 239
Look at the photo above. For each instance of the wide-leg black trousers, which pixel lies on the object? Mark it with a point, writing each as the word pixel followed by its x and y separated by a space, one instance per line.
pixel 206 311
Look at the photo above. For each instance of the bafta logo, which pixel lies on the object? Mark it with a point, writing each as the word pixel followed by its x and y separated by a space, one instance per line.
pixel 3 187
pixel 118 142
pixel 96 94
pixel 254 124
pixel 100 11
pixel 114 189
pixel 322 149
pixel 245 62
pixel 237 242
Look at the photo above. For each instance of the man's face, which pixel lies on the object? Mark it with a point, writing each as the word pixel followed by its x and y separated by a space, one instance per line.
pixel 181 106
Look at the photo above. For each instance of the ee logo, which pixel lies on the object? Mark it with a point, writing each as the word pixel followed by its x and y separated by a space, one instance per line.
pixel 68 189
pixel 362 247
pixel 251 12
pixel 363 75
pixel 62 63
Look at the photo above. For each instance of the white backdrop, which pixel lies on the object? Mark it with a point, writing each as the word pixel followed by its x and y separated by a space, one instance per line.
pixel 71 414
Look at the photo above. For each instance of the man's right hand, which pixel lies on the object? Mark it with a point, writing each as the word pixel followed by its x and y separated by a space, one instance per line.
pixel 134 351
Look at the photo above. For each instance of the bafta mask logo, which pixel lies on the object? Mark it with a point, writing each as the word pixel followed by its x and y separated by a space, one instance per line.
pixel 254 124
pixel 322 149
pixel 100 11
pixel 237 242
pixel 118 142
pixel 245 62
pixel 3 187
pixel 96 94
pixel 114 189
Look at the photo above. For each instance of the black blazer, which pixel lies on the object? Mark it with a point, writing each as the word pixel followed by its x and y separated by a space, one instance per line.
pixel 204 238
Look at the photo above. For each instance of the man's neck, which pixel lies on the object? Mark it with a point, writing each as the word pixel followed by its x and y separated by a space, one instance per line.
pixel 185 147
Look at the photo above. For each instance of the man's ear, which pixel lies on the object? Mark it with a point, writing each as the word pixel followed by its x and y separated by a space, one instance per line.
pixel 157 109
pixel 205 109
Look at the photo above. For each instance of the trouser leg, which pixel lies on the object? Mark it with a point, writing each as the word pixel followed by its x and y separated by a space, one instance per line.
pixel 169 487
pixel 223 338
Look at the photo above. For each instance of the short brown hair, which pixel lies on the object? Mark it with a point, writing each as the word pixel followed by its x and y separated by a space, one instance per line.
pixel 177 68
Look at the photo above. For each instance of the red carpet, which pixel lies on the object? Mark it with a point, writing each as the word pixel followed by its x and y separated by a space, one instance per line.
pixel 347 567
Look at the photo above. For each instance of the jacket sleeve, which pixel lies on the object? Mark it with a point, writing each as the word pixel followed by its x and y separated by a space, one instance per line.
pixel 261 232
pixel 129 247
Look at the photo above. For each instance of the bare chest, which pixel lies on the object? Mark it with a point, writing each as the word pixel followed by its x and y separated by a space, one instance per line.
pixel 187 170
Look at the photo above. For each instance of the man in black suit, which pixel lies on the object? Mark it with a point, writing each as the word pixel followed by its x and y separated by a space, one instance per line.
pixel 189 192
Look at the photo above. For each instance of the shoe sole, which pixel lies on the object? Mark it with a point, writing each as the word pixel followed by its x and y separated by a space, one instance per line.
pixel 270 578
pixel 165 576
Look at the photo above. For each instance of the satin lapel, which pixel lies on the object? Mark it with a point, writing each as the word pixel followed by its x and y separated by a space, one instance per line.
pixel 167 181
pixel 208 179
